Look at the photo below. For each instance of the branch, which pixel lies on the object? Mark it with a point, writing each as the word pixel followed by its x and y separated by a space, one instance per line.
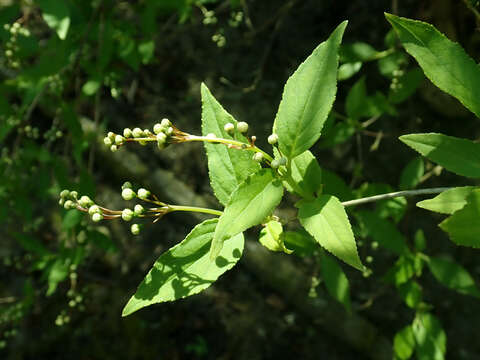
pixel 391 195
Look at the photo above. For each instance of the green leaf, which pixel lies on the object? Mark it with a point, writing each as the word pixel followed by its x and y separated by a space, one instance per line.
pixel 458 155
pixel 56 274
pixel 31 244
pixel 404 343
pixel 308 97
pixel 306 175
pixel 326 220
pixel 356 99
pixel 249 205
pixel 71 219
pixel 382 231
pixel 463 226
pixel 411 293
pixel 338 134
pixel 272 237
pixel 448 201
pixel 335 279
pixel 444 62
pixel 358 51
pixel 430 337
pixel 335 185
pixel 347 70
pixel 227 167
pixel 453 275
pixel 57 16
pixel 91 87
pixel 186 268
pixel 402 271
pixel 146 50
pixel 412 173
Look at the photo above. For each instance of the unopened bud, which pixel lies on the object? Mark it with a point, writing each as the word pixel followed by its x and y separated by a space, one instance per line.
pixel 146 132
pixel 229 128
pixel 69 204
pixel 165 123
pixel 64 193
pixel 135 229
pixel 127 185
pixel 127 132
pixel 137 132
pixel 113 148
pixel 157 128
pixel 282 161
pixel 275 164
pixel 74 195
pixel 119 139
pixel 169 131
pixel 107 141
pixel 128 194
pixel 143 193
pixel 94 209
pixel 258 157
pixel 96 217
pixel 138 210
pixel 242 126
pixel 127 214
pixel 85 201
pixel 111 135
pixel 272 139
pixel 161 137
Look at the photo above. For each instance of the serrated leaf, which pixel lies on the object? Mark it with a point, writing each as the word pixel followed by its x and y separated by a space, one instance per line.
pixel 404 343
pixel 335 279
pixel 186 268
pixel 448 201
pixel 305 175
pixel 308 97
pixel 271 236
pixel 453 275
pixel 463 226
pixel 444 62
pixel 57 16
pixel 326 220
pixel 458 155
pixel 382 231
pixel 227 167
pixel 430 337
pixel 249 205
pixel 412 173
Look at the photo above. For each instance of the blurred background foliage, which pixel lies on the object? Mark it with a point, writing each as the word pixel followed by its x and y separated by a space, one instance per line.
pixel 72 69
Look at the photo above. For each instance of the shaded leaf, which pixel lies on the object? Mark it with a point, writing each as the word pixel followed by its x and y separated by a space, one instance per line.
pixel 57 16
pixel 186 268
pixel 404 343
pixel 412 173
pixel 335 279
pixel 430 337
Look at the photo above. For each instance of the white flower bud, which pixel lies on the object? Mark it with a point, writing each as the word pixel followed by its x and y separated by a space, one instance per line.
pixel 111 135
pixel 74 195
pixel 127 214
pixel 282 161
pixel 127 185
pixel 138 210
pixel 165 123
pixel 137 132
pixel 272 139
pixel 157 128
pixel 119 139
pixel 161 137
pixel 161 145
pixel 135 229
pixel 258 157
pixel 128 194
pixel 274 164
pixel 242 126
pixel 147 132
pixel 69 204
pixel 229 128
pixel 127 132
pixel 85 201
pixel 107 141
pixel 94 209
pixel 169 131
pixel 143 193
pixel 113 148
pixel 96 217
pixel 64 194
pixel 61 201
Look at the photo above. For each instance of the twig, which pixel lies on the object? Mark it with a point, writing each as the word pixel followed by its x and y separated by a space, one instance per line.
pixel 391 195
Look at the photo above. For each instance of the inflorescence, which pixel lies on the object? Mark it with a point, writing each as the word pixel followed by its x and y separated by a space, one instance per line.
pixel 164 133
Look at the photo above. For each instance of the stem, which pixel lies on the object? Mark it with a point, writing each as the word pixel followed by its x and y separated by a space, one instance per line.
pixel 239 144
pixel 195 209
pixel 394 195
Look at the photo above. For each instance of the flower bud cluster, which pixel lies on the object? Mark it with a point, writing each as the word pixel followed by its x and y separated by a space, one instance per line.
pixel 241 127
pixel 11 46
pixel 71 200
